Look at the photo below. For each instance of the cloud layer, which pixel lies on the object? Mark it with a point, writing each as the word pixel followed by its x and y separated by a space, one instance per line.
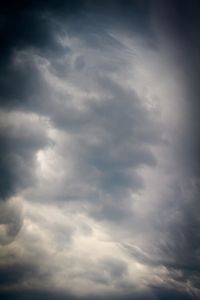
pixel 99 149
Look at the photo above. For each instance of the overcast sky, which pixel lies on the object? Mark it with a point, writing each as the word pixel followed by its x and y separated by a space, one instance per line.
pixel 99 150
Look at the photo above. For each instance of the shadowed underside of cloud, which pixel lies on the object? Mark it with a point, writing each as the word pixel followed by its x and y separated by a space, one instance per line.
pixel 32 295
pixel 99 135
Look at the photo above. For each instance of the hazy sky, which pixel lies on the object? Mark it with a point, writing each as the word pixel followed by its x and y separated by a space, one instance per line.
pixel 99 150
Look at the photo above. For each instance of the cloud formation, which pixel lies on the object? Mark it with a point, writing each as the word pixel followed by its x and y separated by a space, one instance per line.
pixel 99 150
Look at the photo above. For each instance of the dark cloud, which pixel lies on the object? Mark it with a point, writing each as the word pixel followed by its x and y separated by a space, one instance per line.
pixel 15 273
pixel 11 221
pixel 30 25
pixel 160 294
pixel 119 149
pixel 180 22
pixel 18 148
pixel 76 125
pixel 34 295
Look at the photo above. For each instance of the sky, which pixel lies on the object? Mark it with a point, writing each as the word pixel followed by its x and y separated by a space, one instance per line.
pixel 99 150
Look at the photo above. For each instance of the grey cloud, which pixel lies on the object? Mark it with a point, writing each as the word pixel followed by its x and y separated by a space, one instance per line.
pixel 19 142
pixel 115 268
pixel 15 273
pixel 37 26
pixel 111 271
pixel 182 32
pixel 159 294
pixel 11 220
pixel 121 125
pixel 104 144
pixel 24 78
pixel 118 150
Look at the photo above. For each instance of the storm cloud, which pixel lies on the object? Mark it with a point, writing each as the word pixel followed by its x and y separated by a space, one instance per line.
pixel 99 145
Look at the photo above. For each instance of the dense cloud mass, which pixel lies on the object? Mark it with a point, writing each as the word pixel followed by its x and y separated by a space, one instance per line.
pixel 99 145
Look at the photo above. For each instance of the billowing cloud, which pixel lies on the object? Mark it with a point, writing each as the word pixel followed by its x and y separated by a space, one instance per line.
pixel 99 152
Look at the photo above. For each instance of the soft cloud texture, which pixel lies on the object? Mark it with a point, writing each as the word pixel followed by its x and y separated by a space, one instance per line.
pixel 99 167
